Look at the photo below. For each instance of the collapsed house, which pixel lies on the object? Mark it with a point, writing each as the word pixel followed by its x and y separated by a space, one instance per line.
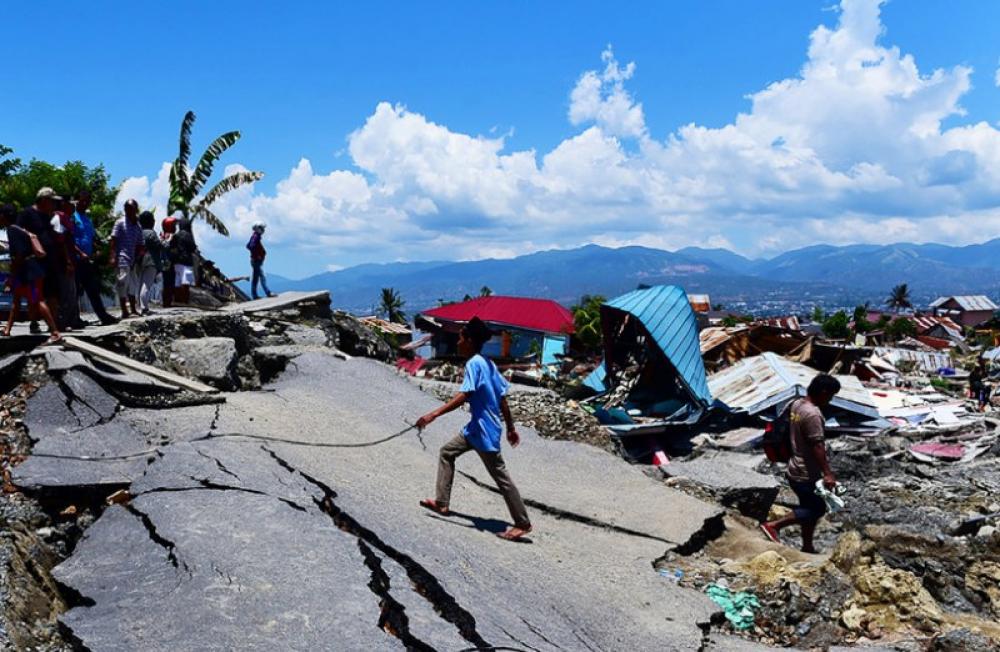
pixel 652 381
pixel 400 333
pixel 724 346
pixel 762 386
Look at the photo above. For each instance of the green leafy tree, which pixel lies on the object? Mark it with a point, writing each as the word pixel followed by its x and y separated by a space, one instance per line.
pixel 818 316
pixel 899 298
pixel 8 164
pixel 900 328
pixel 587 321
pixel 391 306
pixel 861 323
pixel 485 291
pixel 837 326
pixel 186 184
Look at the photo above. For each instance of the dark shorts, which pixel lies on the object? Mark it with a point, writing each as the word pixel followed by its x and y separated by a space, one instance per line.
pixel 811 507
pixel 30 291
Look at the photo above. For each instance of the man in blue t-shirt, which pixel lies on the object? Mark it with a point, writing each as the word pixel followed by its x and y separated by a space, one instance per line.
pixel 485 390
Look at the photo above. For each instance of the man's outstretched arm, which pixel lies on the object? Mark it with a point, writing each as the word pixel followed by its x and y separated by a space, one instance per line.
pixel 456 402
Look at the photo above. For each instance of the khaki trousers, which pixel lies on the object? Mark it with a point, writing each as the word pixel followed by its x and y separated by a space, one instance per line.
pixel 494 465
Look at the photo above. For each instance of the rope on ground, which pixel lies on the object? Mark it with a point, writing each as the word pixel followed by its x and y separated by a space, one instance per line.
pixel 317 444
pixel 281 440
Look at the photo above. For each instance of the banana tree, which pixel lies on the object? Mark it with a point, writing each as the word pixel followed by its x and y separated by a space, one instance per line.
pixel 186 184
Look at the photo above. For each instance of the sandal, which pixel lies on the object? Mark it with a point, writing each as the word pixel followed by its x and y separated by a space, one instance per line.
pixel 516 533
pixel 432 505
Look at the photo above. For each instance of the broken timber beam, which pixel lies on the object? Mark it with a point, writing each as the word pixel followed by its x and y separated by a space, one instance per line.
pixel 115 359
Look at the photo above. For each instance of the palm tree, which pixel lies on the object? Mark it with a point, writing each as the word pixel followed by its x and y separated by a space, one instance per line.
pixel 899 298
pixel 187 184
pixel 392 306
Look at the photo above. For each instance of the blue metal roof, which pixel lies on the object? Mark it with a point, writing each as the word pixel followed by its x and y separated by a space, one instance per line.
pixel 667 316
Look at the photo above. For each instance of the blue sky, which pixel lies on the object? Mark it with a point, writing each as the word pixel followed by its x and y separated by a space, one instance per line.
pixel 427 178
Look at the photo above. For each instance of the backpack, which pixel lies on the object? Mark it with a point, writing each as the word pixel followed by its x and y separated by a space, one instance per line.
pixel 777 442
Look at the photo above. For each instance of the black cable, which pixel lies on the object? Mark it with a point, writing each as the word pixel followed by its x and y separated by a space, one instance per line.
pixel 295 442
pixel 312 444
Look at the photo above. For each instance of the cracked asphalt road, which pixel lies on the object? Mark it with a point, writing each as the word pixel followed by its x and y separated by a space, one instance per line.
pixel 231 542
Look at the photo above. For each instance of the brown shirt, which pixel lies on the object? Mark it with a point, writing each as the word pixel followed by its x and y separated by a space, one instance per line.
pixel 806 429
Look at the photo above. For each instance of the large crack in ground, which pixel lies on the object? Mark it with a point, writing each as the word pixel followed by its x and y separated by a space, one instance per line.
pixel 423 581
pixel 158 538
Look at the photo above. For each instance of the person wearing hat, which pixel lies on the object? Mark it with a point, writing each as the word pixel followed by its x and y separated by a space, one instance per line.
pixel 485 390
pixel 257 255
pixel 126 240
pixel 87 275
pixel 37 220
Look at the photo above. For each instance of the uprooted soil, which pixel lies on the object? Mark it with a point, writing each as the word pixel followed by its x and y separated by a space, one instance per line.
pixel 912 563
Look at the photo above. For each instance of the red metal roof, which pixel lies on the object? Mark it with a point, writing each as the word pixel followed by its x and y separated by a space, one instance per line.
pixel 530 314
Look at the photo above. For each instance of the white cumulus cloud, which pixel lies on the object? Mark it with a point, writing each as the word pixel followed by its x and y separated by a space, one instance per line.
pixel 850 149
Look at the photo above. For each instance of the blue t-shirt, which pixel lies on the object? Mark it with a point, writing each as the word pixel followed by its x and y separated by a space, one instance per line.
pixel 83 234
pixel 484 387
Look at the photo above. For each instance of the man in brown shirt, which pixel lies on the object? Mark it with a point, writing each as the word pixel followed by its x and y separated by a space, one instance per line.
pixel 808 463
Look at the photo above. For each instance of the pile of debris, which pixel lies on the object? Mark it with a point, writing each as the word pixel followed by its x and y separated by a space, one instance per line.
pixel 556 418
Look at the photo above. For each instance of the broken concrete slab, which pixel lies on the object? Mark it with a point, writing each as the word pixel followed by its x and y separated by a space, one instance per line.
pixel 86 443
pixel 166 588
pixel 69 405
pixel 58 360
pixel 209 359
pixel 83 391
pixel 111 455
pixel 121 361
pixel 278 302
pixel 727 476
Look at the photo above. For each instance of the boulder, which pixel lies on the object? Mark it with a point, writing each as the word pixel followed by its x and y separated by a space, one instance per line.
pixel 354 338
pixel 212 360
pixel 728 479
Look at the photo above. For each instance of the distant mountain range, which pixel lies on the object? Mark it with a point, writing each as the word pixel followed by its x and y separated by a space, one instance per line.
pixel 793 281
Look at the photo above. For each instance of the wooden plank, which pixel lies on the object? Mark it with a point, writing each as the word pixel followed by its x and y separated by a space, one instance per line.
pixel 140 367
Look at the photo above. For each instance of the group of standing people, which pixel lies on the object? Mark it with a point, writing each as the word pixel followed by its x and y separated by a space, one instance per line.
pixel 54 247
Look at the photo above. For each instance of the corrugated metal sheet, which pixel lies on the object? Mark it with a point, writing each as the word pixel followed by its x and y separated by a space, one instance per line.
pixel 925 323
pixel 768 380
pixel 667 316
pixel 971 303
pixel 542 315
pixel 714 336
pixel 924 360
